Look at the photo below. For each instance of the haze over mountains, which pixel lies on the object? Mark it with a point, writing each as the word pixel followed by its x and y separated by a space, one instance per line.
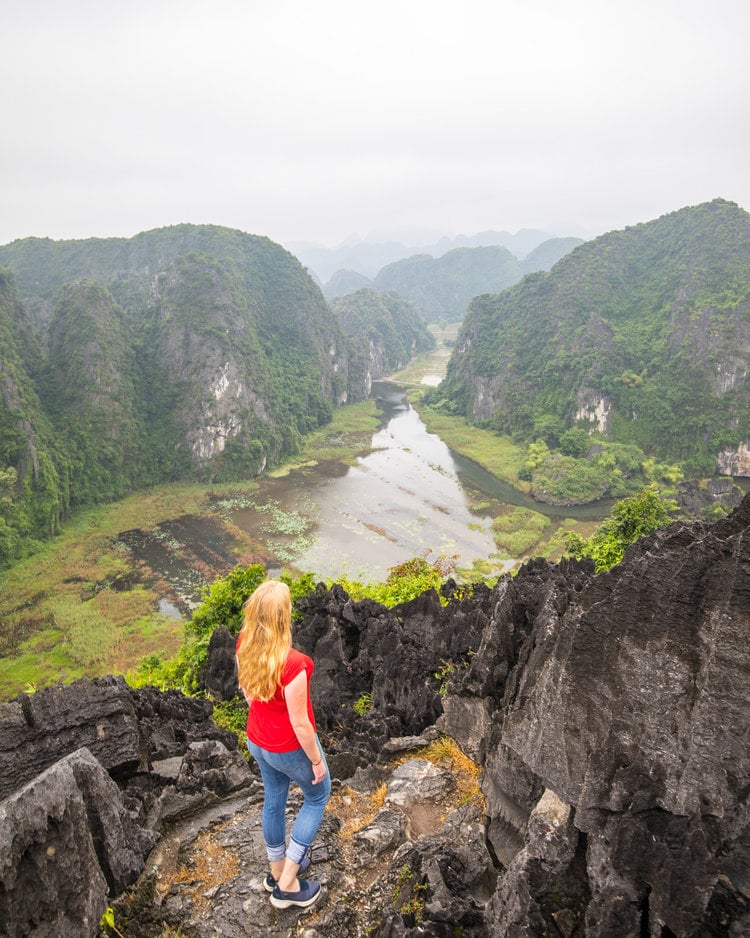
pixel 441 282
pixel 368 257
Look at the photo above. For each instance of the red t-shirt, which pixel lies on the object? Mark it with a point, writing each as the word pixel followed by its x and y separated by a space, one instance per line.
pixel 268 723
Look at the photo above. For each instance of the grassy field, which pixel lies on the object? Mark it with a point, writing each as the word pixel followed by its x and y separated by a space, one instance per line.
pixel 346 437
pixel 497 454
pixel 433 363
pixel 55 603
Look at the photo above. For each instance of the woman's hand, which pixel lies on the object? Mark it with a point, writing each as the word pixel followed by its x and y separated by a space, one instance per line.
pixel 319 772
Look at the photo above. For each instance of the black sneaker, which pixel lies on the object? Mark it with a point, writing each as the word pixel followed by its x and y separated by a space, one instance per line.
pixel 269 883
pixel 308 892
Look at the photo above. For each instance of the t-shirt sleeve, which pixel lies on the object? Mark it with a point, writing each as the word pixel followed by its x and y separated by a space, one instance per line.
pixel 295 663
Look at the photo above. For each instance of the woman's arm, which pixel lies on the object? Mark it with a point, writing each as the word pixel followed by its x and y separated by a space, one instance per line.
pixel 295 694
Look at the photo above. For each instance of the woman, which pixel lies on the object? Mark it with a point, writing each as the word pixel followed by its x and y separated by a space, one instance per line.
pixel 281 736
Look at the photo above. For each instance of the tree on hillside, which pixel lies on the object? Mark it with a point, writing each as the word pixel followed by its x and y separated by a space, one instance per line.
pixel 629 520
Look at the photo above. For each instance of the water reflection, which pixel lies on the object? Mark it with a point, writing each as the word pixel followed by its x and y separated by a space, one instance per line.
pixel 166 608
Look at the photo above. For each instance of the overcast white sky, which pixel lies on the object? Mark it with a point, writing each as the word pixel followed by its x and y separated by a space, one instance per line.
pixel 309 120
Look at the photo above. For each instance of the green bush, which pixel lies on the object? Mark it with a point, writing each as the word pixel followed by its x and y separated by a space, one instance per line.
pixel 363 704
pixel 575 442
pixel 404 582
pixel 519 530
pixel 232 715
pixel 223 600
pixel 629 520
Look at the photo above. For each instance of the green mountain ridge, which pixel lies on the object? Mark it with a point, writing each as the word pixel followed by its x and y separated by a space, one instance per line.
pixel 386 332
pixel 190 352
pixel 343 282
pixel 642 335
pixel 441 288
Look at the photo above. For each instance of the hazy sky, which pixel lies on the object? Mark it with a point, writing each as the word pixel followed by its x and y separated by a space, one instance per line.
pixel 309 120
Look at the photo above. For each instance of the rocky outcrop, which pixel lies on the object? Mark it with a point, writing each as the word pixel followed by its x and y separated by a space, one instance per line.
pixel 90 774
pixel 734 462
pixel 225 381
pixel 609 714
pixel 594 408
pixel 69 841
pixel 126 730
pixel 629 703
pixel 218 676
pixel 622 699
pixel 716 496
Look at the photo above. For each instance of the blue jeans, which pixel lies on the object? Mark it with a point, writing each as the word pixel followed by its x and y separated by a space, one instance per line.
pixel 278 769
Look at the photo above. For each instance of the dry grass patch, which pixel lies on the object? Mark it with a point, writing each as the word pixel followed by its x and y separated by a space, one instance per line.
pixel 212 864
pixel 446 753
pixel 355 809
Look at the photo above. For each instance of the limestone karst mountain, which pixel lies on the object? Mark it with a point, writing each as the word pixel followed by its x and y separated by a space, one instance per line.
pixel 344 282
pixel 190 352
pixel 442 287
pixel 385 333
pixel 441 282
pixel 641 334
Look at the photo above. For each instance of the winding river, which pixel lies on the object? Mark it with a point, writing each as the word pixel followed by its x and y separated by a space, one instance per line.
pixel 408 497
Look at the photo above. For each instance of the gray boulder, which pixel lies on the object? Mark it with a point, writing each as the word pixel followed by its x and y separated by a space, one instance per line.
pixel 68 843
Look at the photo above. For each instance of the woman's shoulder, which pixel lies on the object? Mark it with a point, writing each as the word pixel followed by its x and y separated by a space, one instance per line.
pixel 298 656
pixel 296 661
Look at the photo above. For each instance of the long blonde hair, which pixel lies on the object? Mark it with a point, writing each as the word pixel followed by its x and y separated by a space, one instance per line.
pixel 265 638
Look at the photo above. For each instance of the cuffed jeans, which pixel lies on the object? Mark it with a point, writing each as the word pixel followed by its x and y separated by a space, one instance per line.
pixel 278 769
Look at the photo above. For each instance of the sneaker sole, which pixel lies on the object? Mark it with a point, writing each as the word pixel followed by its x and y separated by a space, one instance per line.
pixel 300 903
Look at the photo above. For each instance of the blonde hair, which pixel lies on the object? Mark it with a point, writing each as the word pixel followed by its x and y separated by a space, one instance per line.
pixel 265 638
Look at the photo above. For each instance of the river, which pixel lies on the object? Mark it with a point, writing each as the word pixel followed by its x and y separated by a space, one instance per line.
pixel 402 500
pixel 411 496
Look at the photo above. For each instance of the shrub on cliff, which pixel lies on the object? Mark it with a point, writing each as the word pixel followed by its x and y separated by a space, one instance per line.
pixel 405 581
pixel 630 519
